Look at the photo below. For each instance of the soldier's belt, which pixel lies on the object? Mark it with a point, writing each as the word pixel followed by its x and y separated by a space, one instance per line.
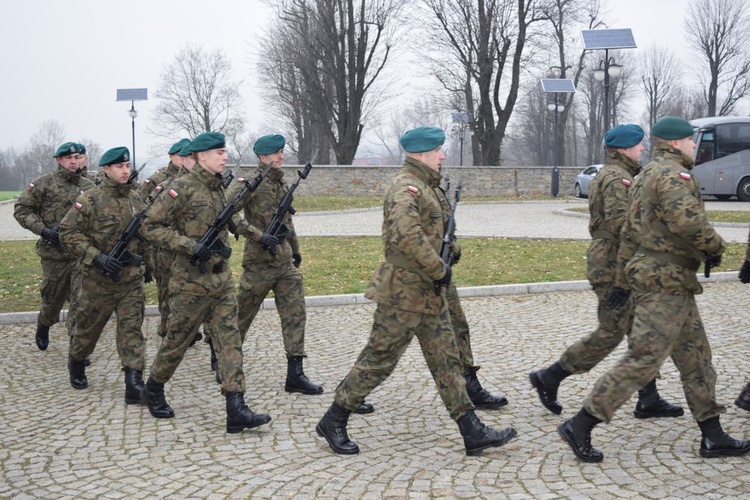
pixel 602 234
pixel 678 260
pixel 402 262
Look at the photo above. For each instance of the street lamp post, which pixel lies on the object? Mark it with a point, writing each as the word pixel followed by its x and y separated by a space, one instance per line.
pixel 132 95
pixel 607 69
pixel 462 122
pixel 556 86
pixel 133 115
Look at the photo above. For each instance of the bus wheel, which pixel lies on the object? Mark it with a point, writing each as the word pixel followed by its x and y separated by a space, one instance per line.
pixel 743 192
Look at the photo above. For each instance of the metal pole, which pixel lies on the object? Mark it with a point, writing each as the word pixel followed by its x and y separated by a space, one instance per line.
pixel 461 145
pixel 555 170
pixel 132 157
pixel 606 91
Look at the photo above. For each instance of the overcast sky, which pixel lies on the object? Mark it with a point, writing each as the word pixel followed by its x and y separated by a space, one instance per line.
pixel 64 59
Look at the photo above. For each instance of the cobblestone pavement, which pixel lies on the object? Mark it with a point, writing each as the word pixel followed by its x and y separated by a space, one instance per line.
pixel 57 442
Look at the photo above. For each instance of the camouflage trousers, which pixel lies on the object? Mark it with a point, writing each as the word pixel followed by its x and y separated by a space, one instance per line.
pixel 98 300
pixel 460 329
pixel 187 312
pixel 55 289
pixel 663 326
pixel 288 293
pixel 392 331
pixel 71 321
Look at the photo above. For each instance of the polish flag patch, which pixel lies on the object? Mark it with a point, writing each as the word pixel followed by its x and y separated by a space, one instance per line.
pixel 31 185
pixel 241 179
pixel 413 189
pixel 686 176
pixel 172 193
pixel 147 181
pixel 78 205
pixel 626 182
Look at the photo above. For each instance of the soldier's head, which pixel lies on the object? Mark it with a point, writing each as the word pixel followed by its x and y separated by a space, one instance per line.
pixel 67 157
pixel 626 140
pixel 187 160
pixel 174 151
pixel 115 164
pixel 675 132
pixel 210 151
pixel 83 157
pixel 270 149
pixel 425 144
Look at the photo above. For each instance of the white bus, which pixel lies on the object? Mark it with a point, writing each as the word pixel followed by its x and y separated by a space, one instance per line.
pixel 722 156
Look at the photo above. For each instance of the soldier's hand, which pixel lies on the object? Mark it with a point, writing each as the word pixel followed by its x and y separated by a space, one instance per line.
pixel 296 259
pixel 446 279
pixel 268 241
pixel 745 272
pixel 616 297
pixel 107 265
pixel 456 252
pixel 148 275
pixel 51 235
pixel 201 252
pixel 713 261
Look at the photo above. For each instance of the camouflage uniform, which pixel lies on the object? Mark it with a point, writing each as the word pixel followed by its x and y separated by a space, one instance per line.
pixel 160 176
pixel 43 204
pixel 263 271
pixel 176 220
pixel 404 291
pixel 93 226
pixel 670 227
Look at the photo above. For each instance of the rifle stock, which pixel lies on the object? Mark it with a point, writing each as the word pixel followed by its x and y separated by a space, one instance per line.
pixel 277 227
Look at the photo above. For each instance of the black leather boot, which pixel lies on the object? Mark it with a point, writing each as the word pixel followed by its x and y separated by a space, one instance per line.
pixel 214 362
pixel 77 372
pixel 196 339
pixel 650 404
pixel 240 417
pixel 364 408
pixel 478 437
pixel 87 361
pixel 153 397
pixel 743 400
pixel 297 381
pixel 332 427
pixel 42 336
pixel 717 443
pixel 577 433
pixel 546 383
pixel 479 395
pixel 133 386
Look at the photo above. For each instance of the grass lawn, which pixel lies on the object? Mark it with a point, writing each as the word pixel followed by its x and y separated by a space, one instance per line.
pixel 7 195
pixel 738 216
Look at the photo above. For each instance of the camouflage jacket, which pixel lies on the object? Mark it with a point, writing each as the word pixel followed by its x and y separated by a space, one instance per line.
pixel 45 202
pixel 413 225
pixel 608 206
pixel 747 252
pixel 258 209
pixel 669 227
pixel 148 185
pixel 96 222
pixel 178 218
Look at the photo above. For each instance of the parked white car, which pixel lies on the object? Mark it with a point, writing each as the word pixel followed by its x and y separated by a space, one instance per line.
pixel 584 179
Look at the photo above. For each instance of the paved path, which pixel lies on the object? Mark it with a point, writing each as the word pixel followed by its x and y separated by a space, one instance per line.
pixel 56 442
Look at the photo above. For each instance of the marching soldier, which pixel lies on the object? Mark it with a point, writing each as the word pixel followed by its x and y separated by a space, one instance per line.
pixel 743 399
pixel 404 288
pixel 40 208
pixel 171 170
pixel 108 285
pixel 177 220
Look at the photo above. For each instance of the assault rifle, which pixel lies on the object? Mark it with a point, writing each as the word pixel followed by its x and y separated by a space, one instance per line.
pixel 449 235
pixel 56 244
pixel 211 238
pixel 277 227
pixel 134 174
pixel 120 251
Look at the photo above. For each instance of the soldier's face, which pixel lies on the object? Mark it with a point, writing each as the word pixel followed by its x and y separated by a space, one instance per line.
pixel 68 162
pixel 176 160
pixel 213 160
pixel 433 159
pixel 82 160
pixel 634 152
pixel 118 172
pixel 274 159
pixel 188 162
pixel 686 145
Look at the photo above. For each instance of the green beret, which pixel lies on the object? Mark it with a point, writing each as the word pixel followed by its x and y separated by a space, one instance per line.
pixel 177 146
pixel 82 148
pixel 269 144
pixel 69 148
pixel 207 141
pixel 422 139
pixel 672 127
pixel 115 155
pixel 623 136
pixel 185 151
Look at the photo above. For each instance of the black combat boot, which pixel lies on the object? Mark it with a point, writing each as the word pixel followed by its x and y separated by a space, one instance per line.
pixel 133 386
pixel 77 372
pixel 42 336
pixel 650 404
pixel 743 400
pixel 297 381
pixel 214 362
pixel 577 433
pixel 153 397
pixel 197 338
pixel 87 361
pixel 364 408
pixel 332 427
pixel 239 416
pixel 546 383
pixel 480 396
pixel 478 436
pixel 717 443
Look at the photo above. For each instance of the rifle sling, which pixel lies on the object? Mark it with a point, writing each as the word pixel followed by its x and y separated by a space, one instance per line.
pixel 602 234
pixel 399 260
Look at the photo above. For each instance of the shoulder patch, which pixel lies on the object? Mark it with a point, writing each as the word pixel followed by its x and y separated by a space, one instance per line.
pixel 686 176
pixel 240 179
pixel 626 182
pixel 413 189
pixel 31 185
pixel 172 193
pixel 147 181
pixel 78 205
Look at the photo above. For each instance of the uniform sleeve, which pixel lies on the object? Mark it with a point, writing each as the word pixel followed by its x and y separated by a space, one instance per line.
pixel 158 228
pixel 74 228
pixel 27 207
pixel 244 228
pixel 615 204
pixel 628 238
pixel 747 252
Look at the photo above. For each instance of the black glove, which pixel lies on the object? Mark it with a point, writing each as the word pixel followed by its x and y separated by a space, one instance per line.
pixel 616 297
pixel 446 279
pixel 268 241
pixel 51 235
pixel 457 256
pixel 745 272
pixel 107 265
pixel 201 252
pixel 713 261
pixel 297 258
pixel 148 275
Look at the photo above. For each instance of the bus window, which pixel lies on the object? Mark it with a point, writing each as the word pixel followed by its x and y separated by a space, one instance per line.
pixel 705 151
pixel 732 138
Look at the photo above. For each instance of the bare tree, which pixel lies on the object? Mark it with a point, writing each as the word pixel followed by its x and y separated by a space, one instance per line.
pixel 720 31
pixel 659 73
pixel 197 93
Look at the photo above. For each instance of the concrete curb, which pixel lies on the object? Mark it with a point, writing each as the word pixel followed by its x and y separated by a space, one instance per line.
pixel 358 298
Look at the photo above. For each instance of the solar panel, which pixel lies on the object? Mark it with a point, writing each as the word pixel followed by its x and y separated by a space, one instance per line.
pixel 558 85
pixel 132 95
pixel 608 39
